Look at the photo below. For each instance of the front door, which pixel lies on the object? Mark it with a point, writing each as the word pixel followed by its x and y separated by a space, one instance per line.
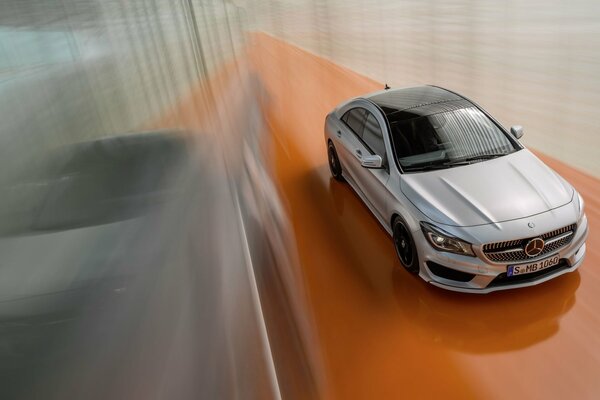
pixel 373 182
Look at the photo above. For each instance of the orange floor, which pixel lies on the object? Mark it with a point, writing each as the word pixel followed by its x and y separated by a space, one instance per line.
pixel 384 333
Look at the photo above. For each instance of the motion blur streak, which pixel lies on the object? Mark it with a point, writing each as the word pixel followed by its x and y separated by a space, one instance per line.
pixel 169 229
pixel 144 251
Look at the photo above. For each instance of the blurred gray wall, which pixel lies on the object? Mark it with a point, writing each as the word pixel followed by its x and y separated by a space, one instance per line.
pixel 529 62
pixel 77 69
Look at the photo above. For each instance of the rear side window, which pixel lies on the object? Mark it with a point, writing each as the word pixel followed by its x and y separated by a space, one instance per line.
pixel 355 119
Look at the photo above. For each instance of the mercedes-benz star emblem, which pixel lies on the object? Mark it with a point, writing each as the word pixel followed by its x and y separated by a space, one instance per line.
pixel 534 247
pixel 531 225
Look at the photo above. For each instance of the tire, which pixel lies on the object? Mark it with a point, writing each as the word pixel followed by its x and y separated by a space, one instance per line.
pixel 334 163
pixel 406 250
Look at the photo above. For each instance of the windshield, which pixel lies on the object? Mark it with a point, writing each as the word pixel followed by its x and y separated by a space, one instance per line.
pixel 448 139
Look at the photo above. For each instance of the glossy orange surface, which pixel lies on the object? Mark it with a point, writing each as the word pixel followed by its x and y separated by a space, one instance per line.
pixel 384 333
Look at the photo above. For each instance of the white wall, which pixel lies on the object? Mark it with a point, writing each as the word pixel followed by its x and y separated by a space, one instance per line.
pixel 529 62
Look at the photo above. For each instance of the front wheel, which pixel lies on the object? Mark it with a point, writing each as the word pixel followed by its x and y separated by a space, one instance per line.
pixel 405 246
pixel 334 163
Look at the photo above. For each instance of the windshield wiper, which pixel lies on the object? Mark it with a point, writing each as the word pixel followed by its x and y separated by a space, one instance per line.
pixel 429 167
pixel 457 163
pixel 484 156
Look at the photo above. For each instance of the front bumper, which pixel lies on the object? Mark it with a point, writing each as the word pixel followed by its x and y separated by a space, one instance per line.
pixel 489 277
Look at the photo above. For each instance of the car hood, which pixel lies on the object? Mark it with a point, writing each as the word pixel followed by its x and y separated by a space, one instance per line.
pixel 502 189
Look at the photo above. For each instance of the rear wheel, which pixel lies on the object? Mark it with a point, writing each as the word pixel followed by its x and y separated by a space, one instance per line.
pixel 405 246
pixel 334 163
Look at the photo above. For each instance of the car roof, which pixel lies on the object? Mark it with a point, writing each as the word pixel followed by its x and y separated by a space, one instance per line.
pixel 407 103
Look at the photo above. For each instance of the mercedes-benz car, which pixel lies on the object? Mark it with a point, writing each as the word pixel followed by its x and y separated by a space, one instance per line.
pixel 469 208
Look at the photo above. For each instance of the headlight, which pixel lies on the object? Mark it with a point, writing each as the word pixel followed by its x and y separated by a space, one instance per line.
pixel 445 242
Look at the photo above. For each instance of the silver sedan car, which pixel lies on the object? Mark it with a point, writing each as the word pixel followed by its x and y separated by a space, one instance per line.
pixel 469 208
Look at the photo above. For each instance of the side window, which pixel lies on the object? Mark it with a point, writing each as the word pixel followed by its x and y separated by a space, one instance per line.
pixel 355 119
pixel 373 135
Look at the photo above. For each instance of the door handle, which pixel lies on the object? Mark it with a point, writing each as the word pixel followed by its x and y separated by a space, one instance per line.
pixel 358 153
pixel 339 133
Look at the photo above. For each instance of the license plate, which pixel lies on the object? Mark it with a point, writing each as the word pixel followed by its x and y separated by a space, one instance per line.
pixel 521 269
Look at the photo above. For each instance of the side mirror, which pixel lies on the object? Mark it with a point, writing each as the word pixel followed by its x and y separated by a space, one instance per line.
pixel 372 161
pixel 517 131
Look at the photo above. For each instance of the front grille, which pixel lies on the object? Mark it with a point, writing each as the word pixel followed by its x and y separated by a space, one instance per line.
pixel 503 280
pixel 513 250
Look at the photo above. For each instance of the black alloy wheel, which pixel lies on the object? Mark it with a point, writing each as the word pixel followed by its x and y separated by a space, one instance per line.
pixel 405 246
pixel 334 163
